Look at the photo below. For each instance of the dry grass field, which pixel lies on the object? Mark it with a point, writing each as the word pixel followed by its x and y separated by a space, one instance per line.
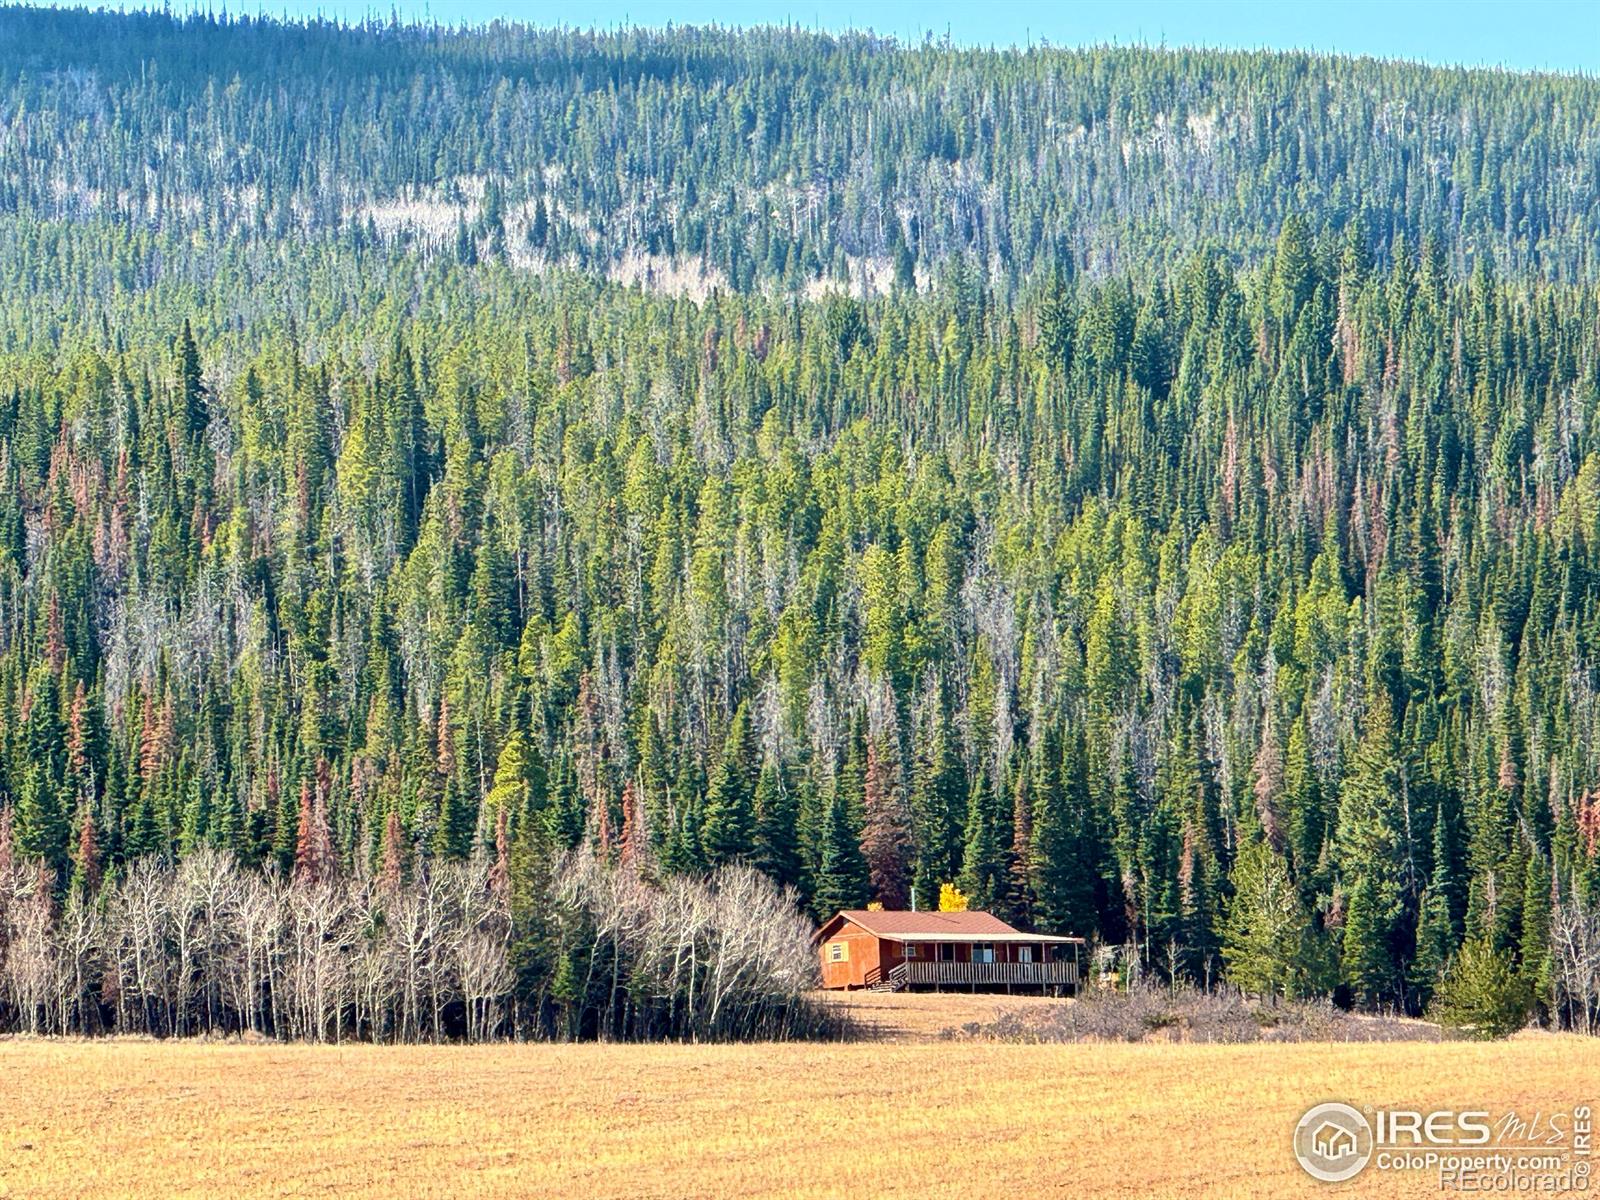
pixel 913 1117
pixel 919 1016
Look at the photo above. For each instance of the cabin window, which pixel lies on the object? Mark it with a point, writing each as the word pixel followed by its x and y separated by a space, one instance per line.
pixel 911 949
pixel 983 952
pixel 1024 954
pixel 838 951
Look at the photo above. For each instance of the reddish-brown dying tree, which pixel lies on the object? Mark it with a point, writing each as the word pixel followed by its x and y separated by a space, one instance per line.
pixel 886 833
pixel 87 864
pixel 313 846
pixel 635 831
pixel 500 873
pixel 392 873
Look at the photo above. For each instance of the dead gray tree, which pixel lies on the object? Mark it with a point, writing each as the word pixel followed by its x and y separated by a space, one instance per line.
pixel 1575 947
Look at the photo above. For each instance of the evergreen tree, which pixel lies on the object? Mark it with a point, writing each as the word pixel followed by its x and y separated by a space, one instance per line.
pixel 458 822
pixel 778 845
pixel 1266 937
pixel 730 811
pixel 192 392
pixel 1482 994
pixel 1535 963
pixel 938 804
pixel 983 863
pixel 41 826
pixel 314 862
pixel 841 881
pixel 1063 864
pixel 1019 899
pixel 1372 854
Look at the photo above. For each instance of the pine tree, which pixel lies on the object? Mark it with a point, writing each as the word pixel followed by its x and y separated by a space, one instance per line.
pixel 143 836
pixel 1438 931
pixel 1294 270
pixel 564 819
pixel 458 822
pixel 1159 862
pixel 466 245
pixel 1064 870
pixel 1372 854
pixel 1019 898
pixel 515 774
pixel 1268 781
pixel 1482 994
pixel 500 872
pixel 778 843
pixel 1266 936
pixel 539 226
pixel 286 825
pixel 227 824
pixel 983 867
pixel 192 392
pixel 1368 967
pixel 196 827
pixel 1535 963
pixel 532 942
pixel 730 819
pixel 841 881
pixel 41 827
pixel 1435 942
pixel 1124 911
pixel 937 806
pixel 1492 824
pixel 391 872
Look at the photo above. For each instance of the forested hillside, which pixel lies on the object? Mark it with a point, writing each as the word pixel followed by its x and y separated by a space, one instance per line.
pixel 1156 492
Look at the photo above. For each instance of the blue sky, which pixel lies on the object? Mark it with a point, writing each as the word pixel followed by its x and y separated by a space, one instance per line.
pixel 1559 35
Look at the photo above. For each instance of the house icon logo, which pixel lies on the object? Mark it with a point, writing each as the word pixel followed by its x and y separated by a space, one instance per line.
pixel 1333 1142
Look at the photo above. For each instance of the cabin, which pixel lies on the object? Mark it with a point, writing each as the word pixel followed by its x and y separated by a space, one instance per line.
pixel 892 951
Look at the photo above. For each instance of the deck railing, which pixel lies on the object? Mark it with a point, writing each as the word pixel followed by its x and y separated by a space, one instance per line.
pixel 964 973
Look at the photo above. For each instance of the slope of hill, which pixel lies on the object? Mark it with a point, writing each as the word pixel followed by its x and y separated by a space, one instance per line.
pixel 1158 492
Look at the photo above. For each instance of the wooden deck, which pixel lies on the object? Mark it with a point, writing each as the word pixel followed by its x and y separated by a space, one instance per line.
pixel 970 974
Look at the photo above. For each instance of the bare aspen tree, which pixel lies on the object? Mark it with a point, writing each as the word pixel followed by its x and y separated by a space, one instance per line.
pixel 30 960
pixel 80 937
pixel 207 947
pixel 1575 948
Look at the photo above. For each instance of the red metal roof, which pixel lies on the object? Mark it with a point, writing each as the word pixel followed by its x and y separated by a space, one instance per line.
pixel 926 924
pixel 897 926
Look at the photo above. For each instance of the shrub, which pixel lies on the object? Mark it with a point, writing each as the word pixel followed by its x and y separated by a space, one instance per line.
pixel 1186 1014
pixel 1482 995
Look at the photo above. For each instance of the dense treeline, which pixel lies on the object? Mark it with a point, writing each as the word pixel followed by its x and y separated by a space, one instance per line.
pixel 475 949
pixel 1068 604
pixel 1238 609
pixel 773 158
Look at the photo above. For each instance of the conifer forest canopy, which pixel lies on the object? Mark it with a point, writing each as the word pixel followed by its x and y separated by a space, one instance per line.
pixel 1155 491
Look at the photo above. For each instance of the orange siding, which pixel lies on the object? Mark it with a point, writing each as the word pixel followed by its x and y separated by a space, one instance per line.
pixel 862 957
pixel 866 954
